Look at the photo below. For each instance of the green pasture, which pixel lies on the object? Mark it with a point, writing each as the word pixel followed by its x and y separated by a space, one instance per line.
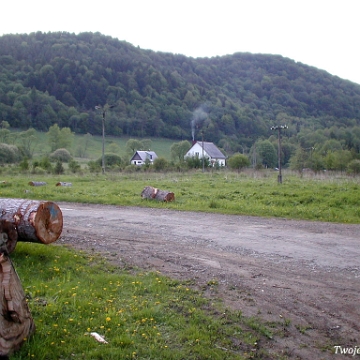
pixel 326 198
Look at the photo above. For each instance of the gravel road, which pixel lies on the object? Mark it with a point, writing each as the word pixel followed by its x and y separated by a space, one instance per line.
pixel 305 274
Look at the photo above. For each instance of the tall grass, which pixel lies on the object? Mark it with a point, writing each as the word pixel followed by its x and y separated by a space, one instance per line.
pixel 330 199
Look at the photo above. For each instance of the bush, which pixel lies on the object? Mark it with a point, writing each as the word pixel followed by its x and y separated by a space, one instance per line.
pixel 9 154
pixel 94 167
pixel 61 155
pixel 59 169
pixel 74 166
pixel 354 167
pixel 160 164
pixel 110 160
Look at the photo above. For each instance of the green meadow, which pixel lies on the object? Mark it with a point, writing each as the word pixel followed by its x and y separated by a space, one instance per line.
pixel 330 198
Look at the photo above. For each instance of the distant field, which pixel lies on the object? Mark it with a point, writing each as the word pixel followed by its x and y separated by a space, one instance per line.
pixel 159 145
pixel 326 198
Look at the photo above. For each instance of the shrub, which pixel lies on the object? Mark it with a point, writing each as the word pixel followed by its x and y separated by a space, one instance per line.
pixel 160 164
pixel 354 167
pixel 74 166
pixel 110 160
pixel 59 169
pixel 9 154
pixel 61 155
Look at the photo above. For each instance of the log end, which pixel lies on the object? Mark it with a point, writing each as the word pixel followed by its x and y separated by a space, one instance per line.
pixel 48 222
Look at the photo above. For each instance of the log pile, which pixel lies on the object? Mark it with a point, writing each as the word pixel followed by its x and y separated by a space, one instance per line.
pixel 150 192
pixel 21 220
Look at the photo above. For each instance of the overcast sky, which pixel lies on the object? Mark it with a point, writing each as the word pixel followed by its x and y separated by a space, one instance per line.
pixel 320 33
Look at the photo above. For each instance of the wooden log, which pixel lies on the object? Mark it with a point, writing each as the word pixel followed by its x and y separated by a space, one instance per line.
pixel 61 183
pixel 150 192
pixel 8 236
pixel 16 322
pixel 37 183
pixel 36 221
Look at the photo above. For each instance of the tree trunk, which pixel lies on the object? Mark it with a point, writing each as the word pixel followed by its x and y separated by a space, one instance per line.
pixel 16 322
pixel 36 221
pixel 150 192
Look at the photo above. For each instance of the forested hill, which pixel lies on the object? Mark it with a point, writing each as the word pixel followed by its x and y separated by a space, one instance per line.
pixel 48 78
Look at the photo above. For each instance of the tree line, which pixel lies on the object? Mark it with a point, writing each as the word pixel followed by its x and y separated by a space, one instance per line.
pixel 59 78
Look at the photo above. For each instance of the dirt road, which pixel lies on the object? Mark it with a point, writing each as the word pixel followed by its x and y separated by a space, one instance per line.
pixel 305 275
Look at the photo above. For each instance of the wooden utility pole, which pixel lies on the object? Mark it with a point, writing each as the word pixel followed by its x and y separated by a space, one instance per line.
pixel 279 128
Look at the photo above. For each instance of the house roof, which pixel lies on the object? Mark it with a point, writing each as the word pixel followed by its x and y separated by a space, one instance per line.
pixel 212 150
pixel 143 155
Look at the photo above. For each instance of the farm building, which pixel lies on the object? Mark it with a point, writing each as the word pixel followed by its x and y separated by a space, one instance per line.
pixel 140 157
pixel 208 150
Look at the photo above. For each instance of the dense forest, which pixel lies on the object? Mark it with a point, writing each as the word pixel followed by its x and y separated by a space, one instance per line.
pixel 233 100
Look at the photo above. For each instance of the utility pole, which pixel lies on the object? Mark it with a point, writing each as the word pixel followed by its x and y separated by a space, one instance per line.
pixel 104 109
pixel 279 128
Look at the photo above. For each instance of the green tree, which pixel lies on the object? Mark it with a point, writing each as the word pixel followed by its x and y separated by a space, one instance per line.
pixel 59 138
pixel 354 167
pixel 28 141
pixel 58 169
pixel 178 150
pixel 133 145
pixel 238 162
pixel 267 153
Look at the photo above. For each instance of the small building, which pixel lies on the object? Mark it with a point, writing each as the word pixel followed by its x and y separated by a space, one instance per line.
pixel 140 157
pixel 208 150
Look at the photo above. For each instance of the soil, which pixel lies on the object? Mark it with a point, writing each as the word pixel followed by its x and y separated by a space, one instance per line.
pixel 304 275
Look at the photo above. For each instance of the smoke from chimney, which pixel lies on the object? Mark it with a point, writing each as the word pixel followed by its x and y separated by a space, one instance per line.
pixel 197 120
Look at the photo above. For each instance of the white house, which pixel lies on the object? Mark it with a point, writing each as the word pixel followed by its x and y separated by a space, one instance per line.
pixel 140 157
pixel 208 150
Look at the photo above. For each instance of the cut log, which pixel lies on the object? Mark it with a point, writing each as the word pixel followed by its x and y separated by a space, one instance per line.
pixel 61 183
pixel 150 192
pixel 37 183
pixel 36 221
pixel 8 236
pixel 16 322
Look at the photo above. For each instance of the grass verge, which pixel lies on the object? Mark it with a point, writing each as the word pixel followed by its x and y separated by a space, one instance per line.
pixel 142 315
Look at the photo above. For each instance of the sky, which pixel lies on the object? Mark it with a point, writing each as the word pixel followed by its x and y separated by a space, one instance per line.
pixel 319 33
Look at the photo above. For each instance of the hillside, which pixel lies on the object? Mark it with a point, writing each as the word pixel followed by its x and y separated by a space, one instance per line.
pixel 48 78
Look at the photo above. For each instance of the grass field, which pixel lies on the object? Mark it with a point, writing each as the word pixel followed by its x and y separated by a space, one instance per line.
pixel 326 198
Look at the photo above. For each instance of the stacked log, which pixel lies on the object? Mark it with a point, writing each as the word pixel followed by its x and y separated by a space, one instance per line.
pixel 35 221
pixel 150 192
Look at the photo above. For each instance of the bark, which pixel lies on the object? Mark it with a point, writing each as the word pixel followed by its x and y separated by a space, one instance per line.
pixel 150 192
pixel 8 236
pixel 16 322
pixel 36 221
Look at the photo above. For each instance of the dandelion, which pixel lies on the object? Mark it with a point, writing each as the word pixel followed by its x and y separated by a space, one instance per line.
pixel 108 319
